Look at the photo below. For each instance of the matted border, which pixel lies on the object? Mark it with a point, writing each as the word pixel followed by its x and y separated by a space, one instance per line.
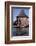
pixel 7 22
pixel 30 24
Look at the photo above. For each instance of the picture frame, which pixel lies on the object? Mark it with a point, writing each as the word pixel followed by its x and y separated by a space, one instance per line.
pixel 11 10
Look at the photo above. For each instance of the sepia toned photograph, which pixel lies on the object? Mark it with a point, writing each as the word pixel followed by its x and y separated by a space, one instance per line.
pixel 20 21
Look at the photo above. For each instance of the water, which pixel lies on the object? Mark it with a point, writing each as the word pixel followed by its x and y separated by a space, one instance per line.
pixel 20 31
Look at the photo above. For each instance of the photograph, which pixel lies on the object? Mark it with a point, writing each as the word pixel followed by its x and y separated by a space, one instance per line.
pixel 20 21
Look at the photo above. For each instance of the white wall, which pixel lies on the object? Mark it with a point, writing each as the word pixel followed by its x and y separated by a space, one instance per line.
pixel 2 24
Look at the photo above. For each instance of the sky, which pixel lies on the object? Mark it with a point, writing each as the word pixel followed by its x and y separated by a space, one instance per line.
pixel 16 11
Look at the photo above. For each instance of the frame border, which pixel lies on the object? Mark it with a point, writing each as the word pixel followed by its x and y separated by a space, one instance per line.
pixel 7 22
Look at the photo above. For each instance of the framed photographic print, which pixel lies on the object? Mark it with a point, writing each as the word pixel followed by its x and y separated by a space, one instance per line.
pixel 19 22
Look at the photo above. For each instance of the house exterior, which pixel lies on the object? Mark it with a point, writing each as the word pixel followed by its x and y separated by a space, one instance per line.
pixel 22 20
pixel 21 24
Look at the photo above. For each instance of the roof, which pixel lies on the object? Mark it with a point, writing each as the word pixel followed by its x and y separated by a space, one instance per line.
pixel 22 14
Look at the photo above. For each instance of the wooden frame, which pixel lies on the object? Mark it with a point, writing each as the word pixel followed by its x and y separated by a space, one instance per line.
pixel 7 22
